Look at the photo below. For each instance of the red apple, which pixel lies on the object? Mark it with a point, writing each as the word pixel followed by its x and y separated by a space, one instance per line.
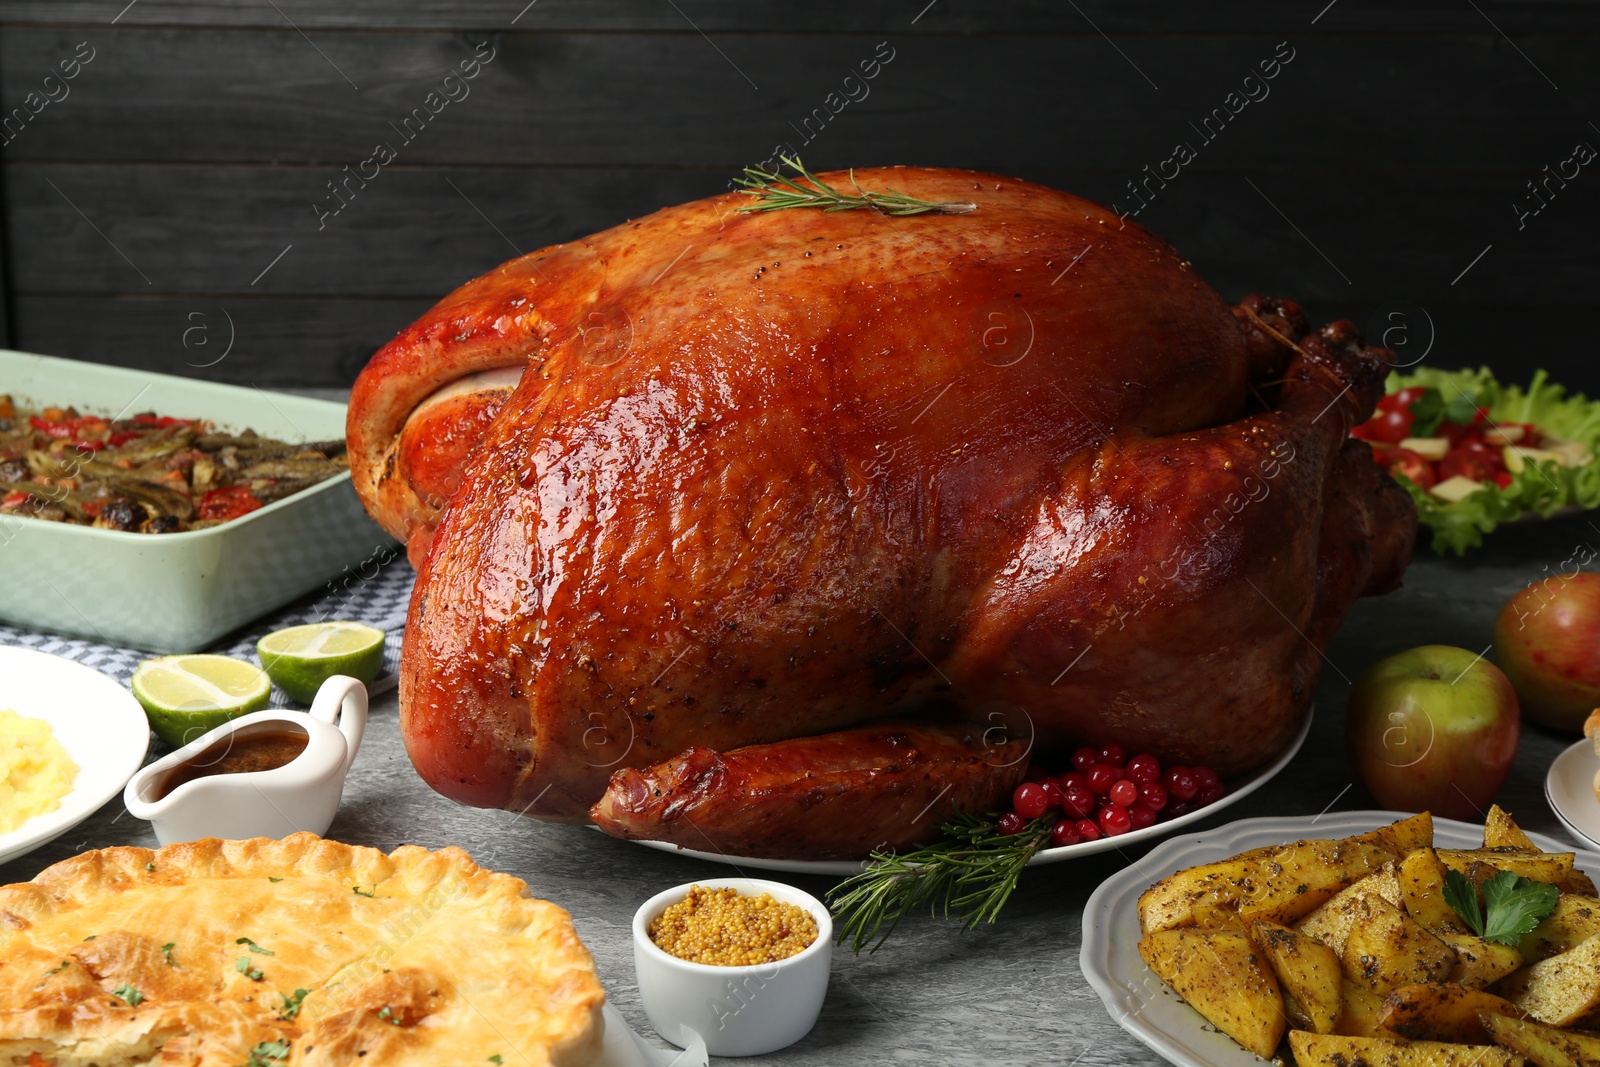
pixel 1434 729
pixel 1547 640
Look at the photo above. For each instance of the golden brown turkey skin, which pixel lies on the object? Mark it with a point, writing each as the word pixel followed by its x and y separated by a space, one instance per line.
pixel 771 476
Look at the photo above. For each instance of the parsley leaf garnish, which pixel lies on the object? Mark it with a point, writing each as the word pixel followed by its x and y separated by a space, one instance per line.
pixel 272 879
pixel 129 994
pixel 242 965
pixel 362 892
pixel 166 952
pixel 268 1053
pixel 1512 905
pixel 496 1058
pixel 291 1005
pixel 386 1013
pixel 1431 408
pixel 255 947
pixel 63 965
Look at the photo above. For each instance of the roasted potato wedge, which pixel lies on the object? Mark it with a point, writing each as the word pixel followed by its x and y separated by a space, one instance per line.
pixel 1387 948
pixel 1480 864
pixel 1563 990
pixel 1575 920
pixel 1332 1050
pixel 1331 922
pixel 1480 963
pixel 1362 1015
pixel 1442 1012
pixel 1281 884
pixel 1421 878
pixel 1222 976
pixel 1501 831
pixel 1543 1046
pixel 1308 974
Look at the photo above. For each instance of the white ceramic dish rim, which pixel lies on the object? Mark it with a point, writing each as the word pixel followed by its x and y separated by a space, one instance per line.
pixel 1116 899
pixel 1237 792
pixel 1580 761
pixel 659 903
pixel 117 711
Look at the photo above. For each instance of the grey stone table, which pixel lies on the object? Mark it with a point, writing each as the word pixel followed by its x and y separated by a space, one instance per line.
pixel 1007 994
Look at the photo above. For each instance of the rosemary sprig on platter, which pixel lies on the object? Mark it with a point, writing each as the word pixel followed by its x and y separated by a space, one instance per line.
pixel 774 191
pixel 972 869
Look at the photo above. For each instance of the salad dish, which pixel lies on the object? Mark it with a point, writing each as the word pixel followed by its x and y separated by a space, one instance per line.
pixel 1475 453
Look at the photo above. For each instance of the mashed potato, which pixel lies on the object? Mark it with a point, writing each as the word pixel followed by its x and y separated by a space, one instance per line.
pixel 35 771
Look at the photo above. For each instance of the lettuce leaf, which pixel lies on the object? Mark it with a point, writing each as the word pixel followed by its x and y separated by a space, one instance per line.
pixel 1538 489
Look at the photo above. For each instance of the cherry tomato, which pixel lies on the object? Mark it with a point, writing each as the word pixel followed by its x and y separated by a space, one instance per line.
pixel 229 503
pixel 1144 768
pixel 1402 400
pixel 1391 427
pixel 1471 459
pixel 1406 462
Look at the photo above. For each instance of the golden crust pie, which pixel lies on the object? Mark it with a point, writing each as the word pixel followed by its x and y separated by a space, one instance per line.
pixel 297 952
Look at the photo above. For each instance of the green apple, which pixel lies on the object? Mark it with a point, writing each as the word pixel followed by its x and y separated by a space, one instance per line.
pixel 1434 729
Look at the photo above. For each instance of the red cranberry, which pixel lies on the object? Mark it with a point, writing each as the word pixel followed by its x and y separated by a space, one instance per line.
pixel 1087 830
pixel 1101 777
pixel 1036 773
pixel 1209 786
pixel 1078 802
pixel 1113 820
pixel 1030 800
pixel 1085 758
pixel 1052 792
pixel 1175 809
pixel 1144 768
pixel 1152 795
pixel 1113 755
pixel 1181 783
pixel 1072 780
pixel 1124 793
pixel 1140 816
pixel 1065 833
pixel 1010 823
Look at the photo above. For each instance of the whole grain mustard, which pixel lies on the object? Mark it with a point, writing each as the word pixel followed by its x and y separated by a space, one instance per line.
pixel 725 928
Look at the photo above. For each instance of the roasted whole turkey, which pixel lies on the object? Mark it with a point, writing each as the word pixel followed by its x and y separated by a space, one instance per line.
pixel 786 533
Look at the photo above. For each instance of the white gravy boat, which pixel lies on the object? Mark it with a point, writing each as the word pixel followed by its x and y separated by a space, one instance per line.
pixel 302 794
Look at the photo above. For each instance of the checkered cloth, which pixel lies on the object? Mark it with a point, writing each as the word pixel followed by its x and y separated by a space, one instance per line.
pixel 378 601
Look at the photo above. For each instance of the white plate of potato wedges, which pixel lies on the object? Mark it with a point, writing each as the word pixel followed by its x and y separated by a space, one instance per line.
pixel 1353 940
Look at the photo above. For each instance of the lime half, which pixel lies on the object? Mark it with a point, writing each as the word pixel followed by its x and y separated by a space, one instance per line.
pixel 186 696
pixel 301 658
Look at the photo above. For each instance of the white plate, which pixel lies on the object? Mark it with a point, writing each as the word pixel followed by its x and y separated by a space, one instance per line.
pixel 1569 789
pixel 1237 791
pixel 96 720
pixel 1138 1000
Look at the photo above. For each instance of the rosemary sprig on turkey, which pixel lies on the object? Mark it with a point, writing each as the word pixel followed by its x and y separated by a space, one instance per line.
pixel 774 191
pixel 972 869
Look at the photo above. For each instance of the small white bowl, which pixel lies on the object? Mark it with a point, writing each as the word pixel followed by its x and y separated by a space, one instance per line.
pixel 739 1011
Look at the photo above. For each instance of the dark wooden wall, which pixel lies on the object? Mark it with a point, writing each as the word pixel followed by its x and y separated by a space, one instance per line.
pixel 162 207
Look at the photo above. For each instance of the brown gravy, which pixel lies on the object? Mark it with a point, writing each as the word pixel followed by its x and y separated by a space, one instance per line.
pixel 237 755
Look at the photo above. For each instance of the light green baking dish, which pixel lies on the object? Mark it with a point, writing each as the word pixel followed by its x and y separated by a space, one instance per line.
pixel 176 592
